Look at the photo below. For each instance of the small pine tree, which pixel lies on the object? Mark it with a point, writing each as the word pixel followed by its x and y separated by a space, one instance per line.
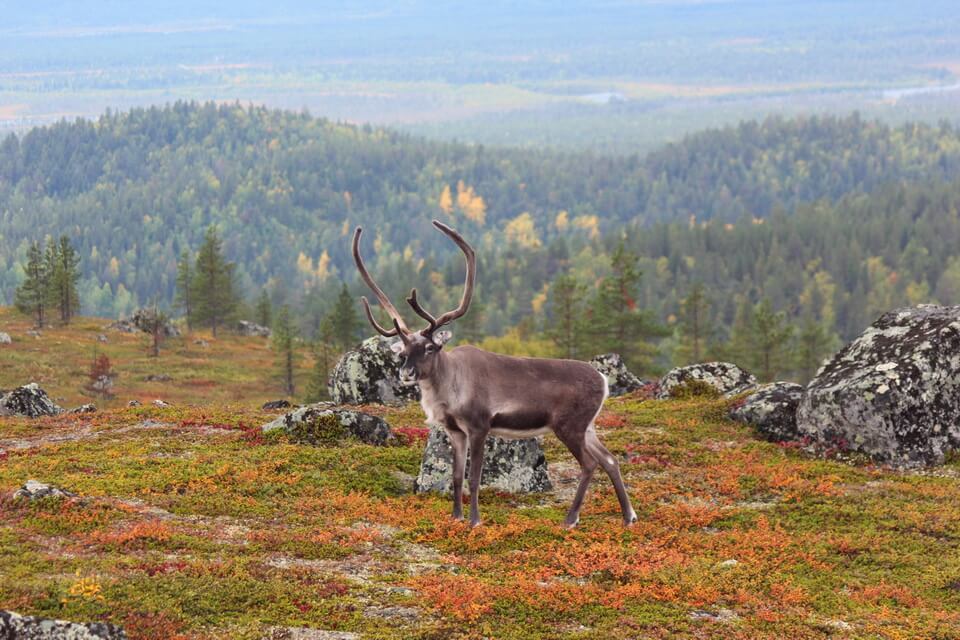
pixel 263 311
pixel 771 341
pixel 566 323
pixel 284 343
pixel 344 321
pixel 33 295
pixel 214 290
pixel 323 353
pixel 615 323
pixel 813 344
pixel 185 280
pixel 155 325
pixel 64 277
pixel 695 330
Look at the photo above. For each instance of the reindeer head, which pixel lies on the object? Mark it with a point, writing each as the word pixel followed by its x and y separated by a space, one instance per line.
pixel 419 349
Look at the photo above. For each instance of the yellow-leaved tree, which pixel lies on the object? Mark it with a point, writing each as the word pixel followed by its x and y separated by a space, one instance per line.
pixel 522 231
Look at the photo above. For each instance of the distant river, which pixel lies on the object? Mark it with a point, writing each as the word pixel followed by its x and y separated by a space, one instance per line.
pixel 896 94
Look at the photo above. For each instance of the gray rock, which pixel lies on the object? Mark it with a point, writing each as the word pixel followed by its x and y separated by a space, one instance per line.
pixel 309 425
pixel 370 374
pixel 514 466
pixel 619 379
pixel 894 392
pixel 160 403
pixel 727 378
pixel 273 405
pixel 247 328
pixel 772 409
pixel 30 401
pixel 200 342
pixel 304 633
pixel 84 408
pixel 102 338
pixel 5 338
pixel 15 626
pixel 103 385
pixel 158 377
pixel 34 333
pixel 133 403
pixel 34 490
pixel 142 320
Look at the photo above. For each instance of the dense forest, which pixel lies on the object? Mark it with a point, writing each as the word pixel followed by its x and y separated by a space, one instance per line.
pixel 832 218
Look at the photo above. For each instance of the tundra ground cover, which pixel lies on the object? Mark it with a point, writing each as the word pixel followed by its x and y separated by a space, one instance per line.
pixel 192 524
pixel 199 368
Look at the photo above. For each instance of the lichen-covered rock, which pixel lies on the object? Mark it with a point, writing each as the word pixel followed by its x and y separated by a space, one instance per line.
pixel 370 374
pixel 5 338
pixel 727 378
pixel 772 409
pixel 894 392
pixel 29 400
pixel 620 380
pixel 322 424
pixel 34 490
pixel 143 320
pixel 15 626
pixel 84 408
pixel 514 466
pixel 247 328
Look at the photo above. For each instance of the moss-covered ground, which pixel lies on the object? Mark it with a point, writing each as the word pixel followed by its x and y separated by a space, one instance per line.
pixel 194 369
pixel 191 524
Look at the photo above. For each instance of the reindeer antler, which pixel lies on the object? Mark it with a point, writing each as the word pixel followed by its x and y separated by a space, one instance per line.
pixel 470 278
pixel 399 326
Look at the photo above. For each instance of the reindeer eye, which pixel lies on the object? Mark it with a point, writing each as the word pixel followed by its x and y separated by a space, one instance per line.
pixel 431 348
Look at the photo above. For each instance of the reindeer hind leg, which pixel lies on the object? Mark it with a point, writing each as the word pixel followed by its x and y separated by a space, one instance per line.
pixel 609 464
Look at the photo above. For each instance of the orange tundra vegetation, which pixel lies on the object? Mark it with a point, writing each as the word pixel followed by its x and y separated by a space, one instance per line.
pixel 187 526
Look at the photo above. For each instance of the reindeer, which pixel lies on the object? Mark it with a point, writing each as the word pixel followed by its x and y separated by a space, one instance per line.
pixel 473 393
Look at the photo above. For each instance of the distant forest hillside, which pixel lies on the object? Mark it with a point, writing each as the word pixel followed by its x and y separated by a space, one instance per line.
pixel 867 211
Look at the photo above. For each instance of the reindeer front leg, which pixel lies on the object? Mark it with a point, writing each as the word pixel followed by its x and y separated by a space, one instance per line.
pixel 477 440
pixel 458 442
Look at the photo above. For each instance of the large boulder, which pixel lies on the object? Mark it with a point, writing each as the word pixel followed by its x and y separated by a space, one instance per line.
pixel 29 400
pixel 142 320
pixel 772 409
pixel 370 374
pixel 894 392
pixel 13 625
pixel 322 424
pixel 620 380
pixel 5 338
pixel 514 466
pixel 247 328
pixel 726 378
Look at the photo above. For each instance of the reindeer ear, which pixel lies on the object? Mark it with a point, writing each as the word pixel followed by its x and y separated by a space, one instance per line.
pixel 397 347
pixel 440 338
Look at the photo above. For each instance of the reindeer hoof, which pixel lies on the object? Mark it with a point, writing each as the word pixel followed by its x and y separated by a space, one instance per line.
pixel 475 523
pixel 630 521
pixel 572 525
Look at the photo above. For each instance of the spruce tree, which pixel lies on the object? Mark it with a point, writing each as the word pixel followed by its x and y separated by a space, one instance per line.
pixel 184 299
pixel 566 323
pixel 215 298
pixel 33 295
pixel 155 324
pixel 284 342
pixel 615 323
pixel 323 353
pixel 64 278
pixel 771 341
pixel 263 311
pixel 813 344
pixel 695 329
pixel 345 323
